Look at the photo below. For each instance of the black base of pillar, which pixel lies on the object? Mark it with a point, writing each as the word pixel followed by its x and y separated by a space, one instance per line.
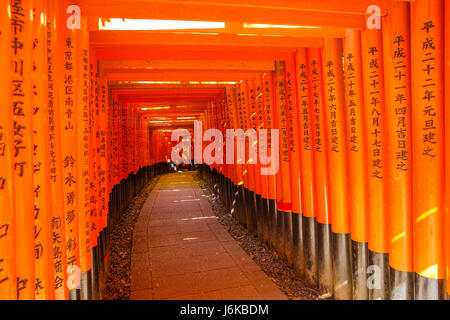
pixel 273 215
pixel 242 205
pixel 324 259
pixel 288 234
pixel 251 213
pixel 402 285
pixel 360 263
pixel 429 289
pixel 260 217
pixel 342 266
pixel 298 245
pixel 94 275
pixel 266 225
pixel 378 276
pixel 310 248
pixel 280 239
pixel 86 286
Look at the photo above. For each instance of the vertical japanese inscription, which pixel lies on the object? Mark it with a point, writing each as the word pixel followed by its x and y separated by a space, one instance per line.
pixel 316 105
pixel 401 107
pixel 304 105
pixel 69 123
pixel 332 99
pixel 427 65
pixel 352 103
pixel 54 174
pixel 22 148
pixel 280 87
pixel 375 114
pixel 18 25
pixel 83 152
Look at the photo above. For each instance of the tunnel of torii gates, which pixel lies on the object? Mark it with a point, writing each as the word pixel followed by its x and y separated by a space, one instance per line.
pixel 359 206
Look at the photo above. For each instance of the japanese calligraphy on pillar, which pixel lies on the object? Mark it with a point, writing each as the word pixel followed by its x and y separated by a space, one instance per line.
pixel 428 138
pixel 291 109
pixel 306 133
pixel 375 112
pixel 251 118
pixel 260 104
pixel 43 278
pixel 400 82
pixel 69 151
pixel 315 88
pixel 103 161
pixel 268 102
pixel 230 108
pixel 357 153
pixel 22 153
pixel 124 138
pixel 304 105
pixel 262 139
pixel 97 145
pixel 239 108
pixel 83 151
pixel 268 109
pixel 260 116
pixel 352 103
pixel 54 166
pixel 253 125
pixel 7 259
pixel 284 121
pixel 294 135
pixel 320 200
pixel 284 177
pixel 115 174
pixel 428 64
pixel 242 118
pixel 244 101
pixel 253 110
pixel 374 115
pixel 332 99
pixel 397 61
pixel 92 156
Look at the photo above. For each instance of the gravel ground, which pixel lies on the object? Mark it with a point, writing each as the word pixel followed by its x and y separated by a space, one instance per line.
pixel 269 262
pixel 119 274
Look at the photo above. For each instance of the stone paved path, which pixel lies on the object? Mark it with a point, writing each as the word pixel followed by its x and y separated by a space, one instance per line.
pixel 180 250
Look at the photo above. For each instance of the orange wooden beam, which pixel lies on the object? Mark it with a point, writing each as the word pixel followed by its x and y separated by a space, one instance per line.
pixel 164 100
pixel 348 14
pixel 187 104
pixel 241 28
pixel 322 6
pixel 148 115
pixel 169 91
pixel 231 65
pixel 238 28
pixel 192 52
pixel 176 75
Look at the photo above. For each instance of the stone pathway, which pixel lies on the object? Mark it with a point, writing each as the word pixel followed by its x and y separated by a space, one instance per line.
pixel 181 252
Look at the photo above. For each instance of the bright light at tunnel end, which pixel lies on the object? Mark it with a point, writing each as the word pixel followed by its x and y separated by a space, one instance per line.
pixel 260 151
pixel 152 24
pixel 155 24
